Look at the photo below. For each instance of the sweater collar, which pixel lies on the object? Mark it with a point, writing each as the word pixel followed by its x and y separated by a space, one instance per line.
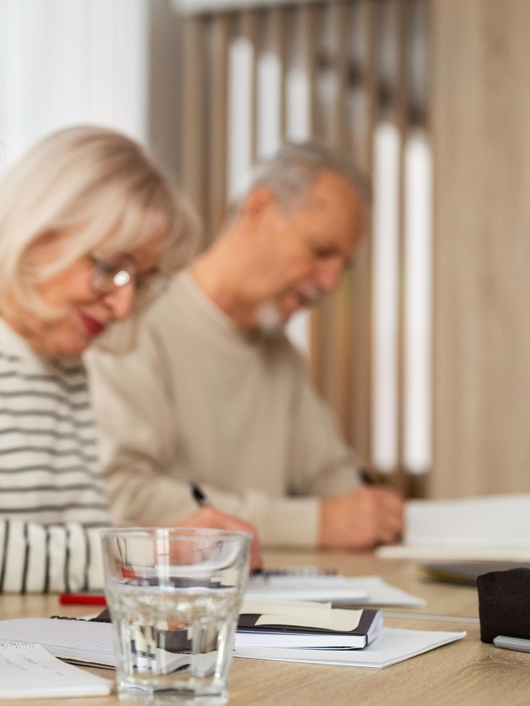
pixel 205 303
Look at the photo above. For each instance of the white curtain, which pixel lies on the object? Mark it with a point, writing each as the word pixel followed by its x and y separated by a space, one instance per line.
pixel 64 62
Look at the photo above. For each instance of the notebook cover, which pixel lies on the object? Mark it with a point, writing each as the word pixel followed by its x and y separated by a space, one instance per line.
pixel 247 623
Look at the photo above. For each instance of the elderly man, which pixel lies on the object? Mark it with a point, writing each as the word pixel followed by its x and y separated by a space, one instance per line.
pixel 215 392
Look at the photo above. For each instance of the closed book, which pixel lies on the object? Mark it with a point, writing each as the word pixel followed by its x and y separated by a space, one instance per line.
pixel 340 629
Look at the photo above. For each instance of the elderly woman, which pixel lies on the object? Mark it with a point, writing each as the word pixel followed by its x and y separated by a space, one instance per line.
pixel 90 231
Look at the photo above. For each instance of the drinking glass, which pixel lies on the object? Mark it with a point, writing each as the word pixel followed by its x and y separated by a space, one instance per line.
pixel 174 597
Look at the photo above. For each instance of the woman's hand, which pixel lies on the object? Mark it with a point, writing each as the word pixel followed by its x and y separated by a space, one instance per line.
pixel 210 518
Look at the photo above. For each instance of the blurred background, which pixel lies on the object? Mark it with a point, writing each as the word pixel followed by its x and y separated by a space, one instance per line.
pixel 424 353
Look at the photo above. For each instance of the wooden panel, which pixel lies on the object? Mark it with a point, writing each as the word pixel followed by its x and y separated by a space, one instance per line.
pixel 250 22
pixel 319 331
pixel 361 425
pixel 339 17
pixel 402 120
pixel 324 317
pixel 481 134
pixel 280 28
pixel 340 309
pixel 218 128
pixel 193 143
pixel 308 18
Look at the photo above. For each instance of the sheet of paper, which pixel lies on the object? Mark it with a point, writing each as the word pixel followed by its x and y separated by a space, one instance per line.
pixel 481 528
pixel 365 590
pixel 391 647
pixel 338 620
pixel 285 607
pixel 71 639
pixel 492 521
pixel 32 672
pixel 453 553
pixel 318 588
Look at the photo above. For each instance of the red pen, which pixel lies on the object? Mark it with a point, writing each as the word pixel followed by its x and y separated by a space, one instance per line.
pixel 82 599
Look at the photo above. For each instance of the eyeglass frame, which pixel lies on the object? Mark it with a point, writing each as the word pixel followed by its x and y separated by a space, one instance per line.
pixel 147 287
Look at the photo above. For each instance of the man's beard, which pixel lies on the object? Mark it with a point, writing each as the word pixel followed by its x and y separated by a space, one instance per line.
pixel 269 317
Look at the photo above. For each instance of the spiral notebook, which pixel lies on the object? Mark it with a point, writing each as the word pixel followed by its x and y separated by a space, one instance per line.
pixel 30 672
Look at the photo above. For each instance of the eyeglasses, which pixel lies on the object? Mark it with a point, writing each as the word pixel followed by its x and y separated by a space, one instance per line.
pixel 108 275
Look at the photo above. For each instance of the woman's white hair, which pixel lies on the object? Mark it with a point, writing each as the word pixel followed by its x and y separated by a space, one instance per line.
pixel 101 189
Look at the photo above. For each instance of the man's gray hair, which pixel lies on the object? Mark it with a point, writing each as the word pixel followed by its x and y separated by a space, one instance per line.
pixel 295 168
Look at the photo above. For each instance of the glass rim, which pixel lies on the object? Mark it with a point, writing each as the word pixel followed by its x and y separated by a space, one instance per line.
pixel 182 532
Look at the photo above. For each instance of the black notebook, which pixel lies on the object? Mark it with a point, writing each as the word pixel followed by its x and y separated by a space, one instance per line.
pixel 346 629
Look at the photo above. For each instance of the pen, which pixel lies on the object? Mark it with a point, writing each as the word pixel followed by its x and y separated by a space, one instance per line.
pixel 199 495
pixel 367 477
pixel 203 500
pixel 82 599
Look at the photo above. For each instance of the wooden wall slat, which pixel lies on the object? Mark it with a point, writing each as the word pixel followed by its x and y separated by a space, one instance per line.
pixel 361 425
pixel 402 119
pixel 218 126
pixel 279 26
pixel 194 123
pixel 307 28
pixel 322 316
pixel 341 324
pixel 339 16
pixel 250 28
pixel 318 332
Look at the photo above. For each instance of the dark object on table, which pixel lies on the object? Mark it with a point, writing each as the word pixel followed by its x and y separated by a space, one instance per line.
pixel 466 572
pixel 504 604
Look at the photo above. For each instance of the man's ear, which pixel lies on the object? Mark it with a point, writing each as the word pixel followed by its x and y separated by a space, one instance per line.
pixel 259 200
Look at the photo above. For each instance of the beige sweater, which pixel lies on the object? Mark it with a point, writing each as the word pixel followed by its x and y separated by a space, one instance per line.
pixel 198 399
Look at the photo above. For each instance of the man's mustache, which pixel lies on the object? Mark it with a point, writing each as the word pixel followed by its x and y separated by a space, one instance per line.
pixel 269 316
pixel 311 295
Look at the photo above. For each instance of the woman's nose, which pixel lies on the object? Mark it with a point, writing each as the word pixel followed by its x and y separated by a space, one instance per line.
pixel 120 300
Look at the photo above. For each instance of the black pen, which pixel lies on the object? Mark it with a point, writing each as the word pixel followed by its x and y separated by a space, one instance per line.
pixel 367 478
pixel 203 500
pixel 199 495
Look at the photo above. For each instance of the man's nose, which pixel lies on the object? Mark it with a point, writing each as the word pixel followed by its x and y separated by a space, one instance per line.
pixel 120 301
pixel 329 274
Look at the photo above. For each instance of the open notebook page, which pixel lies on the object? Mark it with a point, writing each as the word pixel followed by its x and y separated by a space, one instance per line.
pixel 29 671
pixel 71 639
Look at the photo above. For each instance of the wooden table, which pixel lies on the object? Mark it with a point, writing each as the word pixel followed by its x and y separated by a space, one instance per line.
pixel 466 673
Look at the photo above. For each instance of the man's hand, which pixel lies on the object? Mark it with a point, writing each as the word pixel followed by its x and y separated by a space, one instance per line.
pixel 361 519
pixel 210 518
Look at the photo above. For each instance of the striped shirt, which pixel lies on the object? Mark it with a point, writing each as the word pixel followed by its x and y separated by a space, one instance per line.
pixel 52 498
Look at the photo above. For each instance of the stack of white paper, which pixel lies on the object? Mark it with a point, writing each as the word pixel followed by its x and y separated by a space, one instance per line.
pixel 391 647
pixel 492 527
pixel 365 590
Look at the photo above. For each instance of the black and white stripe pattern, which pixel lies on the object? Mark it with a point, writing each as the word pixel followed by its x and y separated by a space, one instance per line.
pixel 52 498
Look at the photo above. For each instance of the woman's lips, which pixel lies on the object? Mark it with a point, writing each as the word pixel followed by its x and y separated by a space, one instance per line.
pixel 92 326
